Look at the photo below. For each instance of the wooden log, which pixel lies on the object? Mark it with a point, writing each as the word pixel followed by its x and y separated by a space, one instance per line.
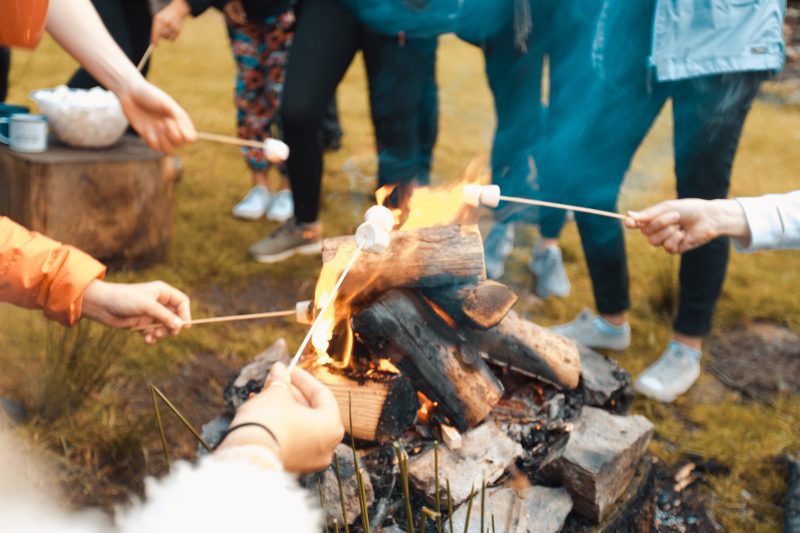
pixel 480 306
pixel 531 350
pixel 598 460
pixel 383 405
pixel 115 203
pixel 427 257
pixel 399 325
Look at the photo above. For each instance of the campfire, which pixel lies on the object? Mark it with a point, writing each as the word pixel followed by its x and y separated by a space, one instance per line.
pixel 419 347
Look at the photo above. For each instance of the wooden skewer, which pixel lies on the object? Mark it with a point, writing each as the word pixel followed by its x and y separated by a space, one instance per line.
pixel 322 311
pixel 145 57
pixel 229 318
pixel 568 207
pixel 229 140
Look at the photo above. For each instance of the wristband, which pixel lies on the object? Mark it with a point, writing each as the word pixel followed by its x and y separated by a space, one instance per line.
pixel 248 424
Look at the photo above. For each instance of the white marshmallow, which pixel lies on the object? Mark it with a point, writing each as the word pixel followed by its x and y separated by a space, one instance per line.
pixel 472 195
pixel 490 195
pixel 275 150
pixel 371 237
pixel 304 312
pixel 380 215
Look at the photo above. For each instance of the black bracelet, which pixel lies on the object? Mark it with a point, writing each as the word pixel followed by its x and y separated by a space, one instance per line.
pixel 246 424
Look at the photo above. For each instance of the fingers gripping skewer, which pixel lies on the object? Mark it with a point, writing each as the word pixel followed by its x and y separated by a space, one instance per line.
pixel 489 196
pixel 275 150
pixel 372 235
pixel 229 318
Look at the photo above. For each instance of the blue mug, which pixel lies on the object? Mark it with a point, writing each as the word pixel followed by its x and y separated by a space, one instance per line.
pixel 6 110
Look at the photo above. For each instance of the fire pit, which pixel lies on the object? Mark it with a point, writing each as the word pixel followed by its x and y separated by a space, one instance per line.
pixel 419 347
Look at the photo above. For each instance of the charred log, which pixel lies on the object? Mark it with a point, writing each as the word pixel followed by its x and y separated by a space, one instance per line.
pixel 480 306
pixel 399 325
pixel 383 404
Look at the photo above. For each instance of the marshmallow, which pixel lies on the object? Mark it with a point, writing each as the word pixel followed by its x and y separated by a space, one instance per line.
pixel 380 215
pixel 371 237
pixel 485 195
pixel 304 312
pixel 490 195
pixel 275 150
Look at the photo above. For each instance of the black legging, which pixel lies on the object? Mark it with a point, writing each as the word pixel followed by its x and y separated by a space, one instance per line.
pixel 326 40
pixel 5 67
pixel 129 22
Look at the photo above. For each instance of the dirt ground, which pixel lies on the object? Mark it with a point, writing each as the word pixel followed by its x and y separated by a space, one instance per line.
pixel 106 446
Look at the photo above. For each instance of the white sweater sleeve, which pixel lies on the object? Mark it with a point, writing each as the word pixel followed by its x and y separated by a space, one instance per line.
pixel 774 222
pixel 242 489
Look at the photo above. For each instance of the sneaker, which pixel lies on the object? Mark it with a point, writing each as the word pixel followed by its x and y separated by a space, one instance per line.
pixel 254 205
pixel 594 332
pixel 288 239
pixel 551 277
pixel 497 247
pixel 672 375
pixel 282 207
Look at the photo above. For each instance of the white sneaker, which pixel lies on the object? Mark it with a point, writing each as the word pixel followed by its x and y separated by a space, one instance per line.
pixel 594 332
pixel 497 247
pixel 282 208
pixel 254 205
pixel 672 375
pixel 551 276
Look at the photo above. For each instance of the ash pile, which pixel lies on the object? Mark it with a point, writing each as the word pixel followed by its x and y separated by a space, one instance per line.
pixel 433 367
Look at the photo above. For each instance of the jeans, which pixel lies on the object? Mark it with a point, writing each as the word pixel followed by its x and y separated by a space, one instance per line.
pixel 327 38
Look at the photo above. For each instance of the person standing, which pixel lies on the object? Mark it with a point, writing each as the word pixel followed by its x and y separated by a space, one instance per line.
pixel 709 59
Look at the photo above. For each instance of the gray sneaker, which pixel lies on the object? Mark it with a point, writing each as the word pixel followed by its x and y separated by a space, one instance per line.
pixel 497 247
pixel 551 277
pixel 288 239
pixel 594 332
pixel 672 375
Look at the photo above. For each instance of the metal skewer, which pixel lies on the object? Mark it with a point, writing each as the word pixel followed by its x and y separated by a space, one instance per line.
pixel 327 304
pixel 229 318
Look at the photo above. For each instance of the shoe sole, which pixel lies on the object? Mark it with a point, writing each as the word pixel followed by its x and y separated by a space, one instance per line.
pixel 278 219
pixel 655 395
pixel 305 249
pixel 248 217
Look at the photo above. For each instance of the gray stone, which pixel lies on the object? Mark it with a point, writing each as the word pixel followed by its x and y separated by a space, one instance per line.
pixel 528 510
pixel 598 460
pixel 252 376
pixel 12 413
pixel 212 433
pixel 604 382
pixel 331 502
pixel 486 453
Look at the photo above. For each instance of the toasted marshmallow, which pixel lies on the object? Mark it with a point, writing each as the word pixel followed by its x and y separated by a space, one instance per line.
pixel 371 237
pixel 275 150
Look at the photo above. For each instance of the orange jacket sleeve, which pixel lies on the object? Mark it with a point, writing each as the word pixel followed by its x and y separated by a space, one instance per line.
pixel 38 272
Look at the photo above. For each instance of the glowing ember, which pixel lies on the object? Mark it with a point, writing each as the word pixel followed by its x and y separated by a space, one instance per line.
pixel 426 408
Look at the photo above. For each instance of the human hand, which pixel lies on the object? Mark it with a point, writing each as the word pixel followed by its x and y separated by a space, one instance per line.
pixel 161 122
pixel 168 22
pixel 122 305
pixel 235 11
pixel 300 411
pixel 683 225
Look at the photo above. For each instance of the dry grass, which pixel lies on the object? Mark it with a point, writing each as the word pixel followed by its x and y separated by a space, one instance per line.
pixel 208 254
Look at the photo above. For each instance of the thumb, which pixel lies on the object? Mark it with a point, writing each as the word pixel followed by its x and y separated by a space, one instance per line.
pixel 163 315
pixel 279 374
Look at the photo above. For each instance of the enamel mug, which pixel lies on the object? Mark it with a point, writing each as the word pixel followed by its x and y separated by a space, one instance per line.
pixel 26 133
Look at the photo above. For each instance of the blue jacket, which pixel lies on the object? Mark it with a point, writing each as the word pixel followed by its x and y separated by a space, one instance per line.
pixel 700 37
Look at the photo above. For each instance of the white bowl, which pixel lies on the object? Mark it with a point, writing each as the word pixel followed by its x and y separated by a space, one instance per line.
pixel 82 118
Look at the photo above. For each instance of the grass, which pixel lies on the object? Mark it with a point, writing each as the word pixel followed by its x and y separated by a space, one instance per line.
pixel 113 433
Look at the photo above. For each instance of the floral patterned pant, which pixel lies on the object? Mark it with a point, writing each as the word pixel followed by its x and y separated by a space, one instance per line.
pixel 260 51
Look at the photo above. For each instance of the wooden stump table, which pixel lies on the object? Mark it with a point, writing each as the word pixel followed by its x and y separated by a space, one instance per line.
pixel 115 203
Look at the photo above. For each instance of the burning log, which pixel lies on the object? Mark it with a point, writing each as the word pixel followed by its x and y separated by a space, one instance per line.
pixel 480 306
pixel 531 350
pixel 383 404
pixel 399 325
pixel 427 257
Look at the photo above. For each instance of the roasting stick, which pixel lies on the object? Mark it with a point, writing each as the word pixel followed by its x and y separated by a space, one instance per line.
pixel 145 57
pixel 489 196
pixel 328 302
pixel 229 318
pixel 214 137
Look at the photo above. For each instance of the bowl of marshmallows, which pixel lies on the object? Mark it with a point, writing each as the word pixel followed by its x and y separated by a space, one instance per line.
pixel 82 118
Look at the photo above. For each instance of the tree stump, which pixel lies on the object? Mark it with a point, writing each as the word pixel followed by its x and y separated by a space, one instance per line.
pixel 115 204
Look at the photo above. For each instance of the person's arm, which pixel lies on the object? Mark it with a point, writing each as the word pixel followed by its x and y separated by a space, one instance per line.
pixel 37 272
pixel 161 122
pixel 773 221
